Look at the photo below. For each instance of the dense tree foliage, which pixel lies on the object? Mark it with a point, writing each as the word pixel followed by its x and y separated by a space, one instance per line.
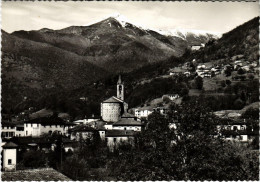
pixel 190 152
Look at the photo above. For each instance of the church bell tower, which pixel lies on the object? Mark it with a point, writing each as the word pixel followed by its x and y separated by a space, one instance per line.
pixel 120 88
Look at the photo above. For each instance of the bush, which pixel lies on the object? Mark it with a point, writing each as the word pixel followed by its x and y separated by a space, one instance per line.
pixel 251 113
pixel 34 159
pixel 228 82
pixel 240 71
pixel 199 82
pixel 251 76
pixel 223 83
pixel 239 104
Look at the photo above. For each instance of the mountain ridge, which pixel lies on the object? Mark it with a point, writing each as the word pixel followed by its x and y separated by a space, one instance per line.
pixel 69 58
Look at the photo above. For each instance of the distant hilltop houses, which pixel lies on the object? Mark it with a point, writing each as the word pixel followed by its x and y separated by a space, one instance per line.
pixel 216 67
pixel 197 47
pixel 114 126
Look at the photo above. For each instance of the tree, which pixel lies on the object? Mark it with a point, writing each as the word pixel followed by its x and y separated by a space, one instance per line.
pixel 199 82
pixel 240 71
pixel 184 91
pixel 223 83
pixel 166 99
pixel 239 104
pixel 188 152
pixel 251 113
pixel 228 71
pixel 251 76
pixel 228 82
pixel 34 159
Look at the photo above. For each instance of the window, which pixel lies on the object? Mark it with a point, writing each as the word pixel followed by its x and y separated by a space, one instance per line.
pixel 114 139
pixel 9 161
pixel 31 125
pixel 26 125
pixel 125 128
pixel 26 133
pixel 3 134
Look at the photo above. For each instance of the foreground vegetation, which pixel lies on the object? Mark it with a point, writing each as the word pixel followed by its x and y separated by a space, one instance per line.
pixel 189 152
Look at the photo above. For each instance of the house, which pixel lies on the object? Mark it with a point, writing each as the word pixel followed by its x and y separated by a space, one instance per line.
pixel 195 47
pixel 239 63
pixel 8 129
pixel 246 68
pixel 176 71
pixel 19 130
pixel 127 124
pixel 43 174
pixel 81 132
pixel 38 126
pixel 44 143
pixel 109 126
pixel 236 130
pixel 187 73
pixel 171 96
pixel 161 110
pixel 9 156
pixel 116 137
pixel 87 120
pixel 143 112
pixel 124 124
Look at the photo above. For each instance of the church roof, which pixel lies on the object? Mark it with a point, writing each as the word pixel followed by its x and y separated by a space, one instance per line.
pixel 113 99
pixel 127 122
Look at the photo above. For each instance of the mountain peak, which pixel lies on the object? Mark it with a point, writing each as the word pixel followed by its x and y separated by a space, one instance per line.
pixel 114 16
pixel 119 18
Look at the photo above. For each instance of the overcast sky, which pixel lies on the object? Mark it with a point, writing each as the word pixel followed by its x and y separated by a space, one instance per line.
pixel 210 16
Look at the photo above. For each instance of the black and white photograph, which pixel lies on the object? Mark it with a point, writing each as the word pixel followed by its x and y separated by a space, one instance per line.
pixel 129 91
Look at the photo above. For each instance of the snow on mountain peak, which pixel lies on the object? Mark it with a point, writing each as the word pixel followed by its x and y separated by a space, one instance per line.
pixel 120 18
pixel 178 32
pixel 182 33
pixel 117 16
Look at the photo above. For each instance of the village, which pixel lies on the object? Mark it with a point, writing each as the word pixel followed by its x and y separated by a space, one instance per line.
pixel 115 126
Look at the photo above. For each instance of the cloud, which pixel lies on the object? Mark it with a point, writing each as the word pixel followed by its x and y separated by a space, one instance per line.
pixel 211 16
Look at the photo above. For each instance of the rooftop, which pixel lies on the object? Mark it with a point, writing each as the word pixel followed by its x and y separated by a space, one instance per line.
pixel 8 123
pixel 24 141
pixel 49 121
pixel 81 128
pixel 10 145
pixel 127 122
pixel 45 174
pixel 149 108
pixel 113 99
pixel 127 115
pixel 119 133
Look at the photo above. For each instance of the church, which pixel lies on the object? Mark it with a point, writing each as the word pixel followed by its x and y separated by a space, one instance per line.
pixel 114 108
